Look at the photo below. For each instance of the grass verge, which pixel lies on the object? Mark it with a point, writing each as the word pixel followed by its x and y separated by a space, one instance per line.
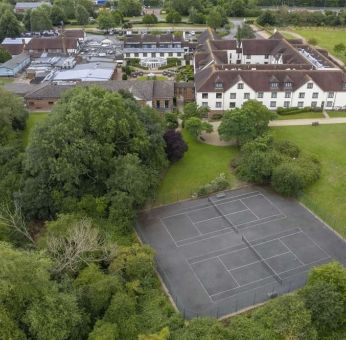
pixel 200 164
pixel 327 196
pixel 301 115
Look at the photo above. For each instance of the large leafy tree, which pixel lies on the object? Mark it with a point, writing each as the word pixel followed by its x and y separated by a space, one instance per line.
pixel 4 55
pixel 95 146
pixel 40 19
pixel 82 15
pixel 130 8
pixel 9 25
pixel 245 123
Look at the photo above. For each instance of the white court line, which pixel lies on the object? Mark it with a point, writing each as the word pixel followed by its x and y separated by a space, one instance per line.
pixel 274 239
pixel 230 199
pixel 220 216
pixel 229 273
pixel 250 209
pixel 189 218
pixel 273 204
pixel 169 233
pixel 231 230
pixel 324 251
pixel 208 205
pixel 200 282
pixel 307 264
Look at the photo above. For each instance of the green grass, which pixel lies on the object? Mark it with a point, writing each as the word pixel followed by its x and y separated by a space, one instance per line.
pixel 301 115
pixel 327 197
pixel 33 119
pixel 200 164
pixel 326 38
pixel 335 114
pixel 150 78
pixel 5 80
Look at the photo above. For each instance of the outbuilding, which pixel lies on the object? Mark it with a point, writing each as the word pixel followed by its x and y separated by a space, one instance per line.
pixel 15 65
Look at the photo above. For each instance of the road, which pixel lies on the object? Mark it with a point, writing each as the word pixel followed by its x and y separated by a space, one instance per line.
pixel 238 22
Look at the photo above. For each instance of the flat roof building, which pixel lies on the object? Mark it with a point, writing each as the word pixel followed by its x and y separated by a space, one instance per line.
pixel 15 65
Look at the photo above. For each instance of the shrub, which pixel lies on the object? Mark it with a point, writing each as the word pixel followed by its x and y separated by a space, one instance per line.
pixel 171 120
pixel 175 145
pixel 217 184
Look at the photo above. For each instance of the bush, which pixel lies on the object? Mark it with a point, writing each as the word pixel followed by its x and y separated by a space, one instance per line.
pixel 291 177
pixel 175 145
pixel 124 76
pixel 296 110
pixel 217 184
pixel 216 116
pixel 171 120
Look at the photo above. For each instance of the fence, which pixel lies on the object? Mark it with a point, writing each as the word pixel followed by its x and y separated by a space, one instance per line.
pixel 235 303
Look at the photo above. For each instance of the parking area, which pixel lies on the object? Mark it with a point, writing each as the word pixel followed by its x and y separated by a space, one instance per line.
pixel 221 254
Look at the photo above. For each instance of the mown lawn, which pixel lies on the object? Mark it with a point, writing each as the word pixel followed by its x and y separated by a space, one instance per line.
pixel 5 80
pixel 200 164
pixel 33 119
pixel 327 197
pixel 301 115
pixel 335 114
pixel 326 38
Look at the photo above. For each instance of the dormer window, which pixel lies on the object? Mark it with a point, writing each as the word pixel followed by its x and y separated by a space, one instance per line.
pixel 310 85
pixel 288 84
pixel 218 85
pixel 344 85
pixel 274 85
pixel 240 86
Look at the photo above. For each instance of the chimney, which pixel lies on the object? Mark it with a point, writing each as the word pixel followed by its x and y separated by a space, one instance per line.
pixel 23 43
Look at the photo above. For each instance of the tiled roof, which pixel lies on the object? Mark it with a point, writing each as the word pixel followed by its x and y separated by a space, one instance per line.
pixel 55 43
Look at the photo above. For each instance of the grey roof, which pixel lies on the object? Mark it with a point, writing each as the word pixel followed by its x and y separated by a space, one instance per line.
pixel 15 61
pixel 141 89
pixel 30 5
pixel 21 89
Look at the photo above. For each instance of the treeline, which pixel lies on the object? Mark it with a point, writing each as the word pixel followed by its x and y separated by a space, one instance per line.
pixel 303 3
pixel 284 17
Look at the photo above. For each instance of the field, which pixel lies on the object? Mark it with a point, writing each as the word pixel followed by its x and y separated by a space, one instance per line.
pixel 327 196
pixel 302 115
pixel 201 164
pixel 326 38
pixel 34 118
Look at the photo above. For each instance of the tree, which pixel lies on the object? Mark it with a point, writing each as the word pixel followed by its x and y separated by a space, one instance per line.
pixel 104 331
pixel 173 17
pixel 237 8
pixel 40 19
pixel 105 20
pixel 57 15
pixel 130 8
pixel 82 15
pixel 267 18
pixel 9 328
pixel 245 32
pixel 171 121
pixel 246 123
pixel 195 126
pixel 326 304
pixel 286 317
pixel 82 161
pixel 81 244
pixel 196 17
pixel 149 19
pixel 9 25
pixel 214 19
pixel 175 145
pixel 193 110
pixel 162 335
pixel 4 55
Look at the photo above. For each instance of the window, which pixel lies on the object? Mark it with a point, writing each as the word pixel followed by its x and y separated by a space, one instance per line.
pixel 240 86
pixel 272 104
pixel 128 55
pixel 218 105
pixel 313 104
pixel 204 104
pixel 219 85
pixel 330 94
pixel 248 56
pixel 344 86
pixel 170 54
pixel 266 56
pixel 301 94
pixel 233 96
pixel 218 95
pixel 300 104
pixel 166 104
pixel 136 55
pixel 287 94
pixel 288 84
pixel 315 95
pixel 205 95
pixel 274 85
pixel 246 95
pixel 158 104
pixel 153 54
pixel 50 103
pixel 266 63
pixel 310 85
pixel 145 54
pixel 329 104
pixel 286 104
pixel 232 105
pixel 260 95
pixel 274 94
pixel 179 54
pixel 162 54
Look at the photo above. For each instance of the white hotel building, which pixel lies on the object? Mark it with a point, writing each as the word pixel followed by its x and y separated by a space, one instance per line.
pixel 275 71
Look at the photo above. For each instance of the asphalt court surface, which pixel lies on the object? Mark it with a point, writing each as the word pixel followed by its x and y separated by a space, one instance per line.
pixel 213 250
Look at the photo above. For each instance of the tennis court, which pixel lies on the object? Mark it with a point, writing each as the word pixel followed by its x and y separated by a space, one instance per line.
pixel 221 254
